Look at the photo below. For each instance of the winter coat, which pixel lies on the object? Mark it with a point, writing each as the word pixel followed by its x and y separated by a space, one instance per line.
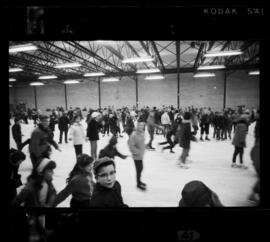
pixel 136 145
pixel 129 128
pixel 29 195
pixel 151 124
pixel 185 134
pixel 107 197
pixel 16 132
pixel 77 133
pixel 239 138
pixel 93 130
pixel 63 123
pixel 40 139
pixel 257 129
pixel 110 152
pixel 205 119
pixel 81 187
pixel 165 118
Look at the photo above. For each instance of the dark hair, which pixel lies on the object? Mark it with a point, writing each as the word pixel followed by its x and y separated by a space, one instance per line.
pixel 83 160
pixel 106 163
pixel 16 120
pixel 187 115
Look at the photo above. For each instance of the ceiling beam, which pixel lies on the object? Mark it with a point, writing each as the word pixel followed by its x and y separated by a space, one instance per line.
pixel 95 55
pixel 199 56
pixel 135 52
pixel 158 56
pixel 223 48
pixel 245 46
pixel 119 55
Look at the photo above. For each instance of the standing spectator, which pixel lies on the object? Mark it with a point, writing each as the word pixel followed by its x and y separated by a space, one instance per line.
pixel 34 116
pixel 70 114
pixel 79 183
pixel 185 136
pixel 107 190
pixel 136 145
pixel 41 138
pixel 29 113
pixel 77 134
pixel 110 150
pixel 239 141
pixel 63 124
pixel 17 133
pixel 16 157
pixel 204 124
pixel 39 190
pixel 92 133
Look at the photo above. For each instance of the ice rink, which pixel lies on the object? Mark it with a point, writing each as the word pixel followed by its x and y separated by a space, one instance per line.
pixel 210 163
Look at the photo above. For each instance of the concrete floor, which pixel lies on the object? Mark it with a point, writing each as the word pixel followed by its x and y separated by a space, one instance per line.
pixel 211 162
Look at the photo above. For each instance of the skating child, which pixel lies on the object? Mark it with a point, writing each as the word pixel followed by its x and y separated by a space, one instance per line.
pixel 80 184
pixel 107 190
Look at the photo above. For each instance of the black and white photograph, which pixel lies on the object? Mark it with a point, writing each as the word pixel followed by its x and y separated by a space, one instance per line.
pixel 136 123
pixel 176 123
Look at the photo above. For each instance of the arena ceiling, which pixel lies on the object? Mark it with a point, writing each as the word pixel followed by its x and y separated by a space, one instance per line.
pixel 170 57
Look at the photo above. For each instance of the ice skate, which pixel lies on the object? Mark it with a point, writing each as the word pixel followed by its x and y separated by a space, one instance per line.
pixel 183 166
pixel 242 166
pixel 141 187
pixel 233 165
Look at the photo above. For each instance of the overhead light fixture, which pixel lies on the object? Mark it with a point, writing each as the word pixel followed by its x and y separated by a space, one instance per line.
pixel 213 67
pixel 47 77
pixel 36 84
pixel 15 69
pixel 68 65
pixel 71 82
pixel 148 71
pixel 112 79
pixel 139 59
pixel 94 74
pixel 204 75
pixel 254 73
pixel 223 53
pixel 12 80
pixel 21 48
pixel 156 77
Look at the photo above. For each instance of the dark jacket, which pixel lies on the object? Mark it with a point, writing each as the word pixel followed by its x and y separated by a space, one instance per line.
pixel 63 123
pixel 185 135
pixel 107 197
pixel 17 133
pixel 29 195
pixel 93 130
pixel 80 186
pixel 40 139
pixel 129 128
pixel 239 138
pixel 110 152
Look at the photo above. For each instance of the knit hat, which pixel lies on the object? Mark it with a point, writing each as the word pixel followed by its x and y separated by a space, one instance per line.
pixel 195 194
pixel 95 114
pixel 104 161
pixel 113 140
pixel 46 164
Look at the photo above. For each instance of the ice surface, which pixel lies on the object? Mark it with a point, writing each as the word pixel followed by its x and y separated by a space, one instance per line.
pixel 211 162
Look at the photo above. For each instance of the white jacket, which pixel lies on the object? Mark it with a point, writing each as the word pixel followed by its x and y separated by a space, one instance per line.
pixel 165 119
pixel 77 134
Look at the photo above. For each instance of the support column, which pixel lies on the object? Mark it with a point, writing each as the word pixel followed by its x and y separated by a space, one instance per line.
pixel 178 72
pixel 136 85
pixel 35 95
pixel 66 96
pixel 99 94
pixel 225 89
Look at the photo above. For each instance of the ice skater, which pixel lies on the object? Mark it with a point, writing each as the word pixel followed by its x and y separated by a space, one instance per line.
pixel 185 136
pixel 136 145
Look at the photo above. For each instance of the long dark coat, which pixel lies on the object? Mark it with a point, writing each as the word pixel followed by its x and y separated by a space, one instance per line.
pixel 240 134
pixel 93 129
